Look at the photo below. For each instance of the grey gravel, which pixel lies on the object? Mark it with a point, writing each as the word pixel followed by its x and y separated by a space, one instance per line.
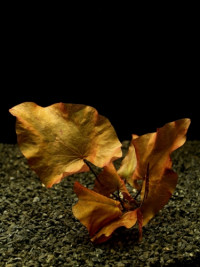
pixel 37 227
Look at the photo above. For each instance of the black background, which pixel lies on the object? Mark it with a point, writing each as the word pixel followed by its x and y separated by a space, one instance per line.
pixel 137 65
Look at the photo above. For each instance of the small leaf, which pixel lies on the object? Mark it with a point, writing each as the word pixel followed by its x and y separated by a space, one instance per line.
pixel 94 210
pixel 128 164
pixel 109 181
pixel 56 139
pixel 127 220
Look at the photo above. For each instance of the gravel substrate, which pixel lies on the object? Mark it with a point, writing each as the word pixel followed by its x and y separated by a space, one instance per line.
pixel 37 227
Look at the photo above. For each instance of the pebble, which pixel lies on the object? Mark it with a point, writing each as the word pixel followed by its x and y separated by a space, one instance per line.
pixel 36 199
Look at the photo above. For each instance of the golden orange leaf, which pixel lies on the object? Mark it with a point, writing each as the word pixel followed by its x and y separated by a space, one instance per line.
pixel 57 139
pixel 128 164
pixel 94 210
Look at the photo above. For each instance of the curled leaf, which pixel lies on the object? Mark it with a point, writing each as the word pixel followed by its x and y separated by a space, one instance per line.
pixel 56 139
pixel 94 210
pixel 155 148
pixel 127 220
pixel 153 152
pixel 99 214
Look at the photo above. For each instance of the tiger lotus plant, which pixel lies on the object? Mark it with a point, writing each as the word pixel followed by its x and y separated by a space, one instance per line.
pixel 63 139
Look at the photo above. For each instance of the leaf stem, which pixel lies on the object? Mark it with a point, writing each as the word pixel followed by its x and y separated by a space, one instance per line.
pixel 90 167
pixel 119 199
pixel 138 193
pixel 146 189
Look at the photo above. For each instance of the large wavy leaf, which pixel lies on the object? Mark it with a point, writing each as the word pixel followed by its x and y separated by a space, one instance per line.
pixel 57 139
pixel 155 148
pixel 153 152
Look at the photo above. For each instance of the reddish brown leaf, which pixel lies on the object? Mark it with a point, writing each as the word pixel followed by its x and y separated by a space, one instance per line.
pixel 101 215
pixel 154 149
pixel 109 181
pixel 56 139
pixel 127 220
pixel 94 210
pixel 160 191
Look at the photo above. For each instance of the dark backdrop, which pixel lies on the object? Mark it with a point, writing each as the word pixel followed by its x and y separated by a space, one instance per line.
pixel 137 65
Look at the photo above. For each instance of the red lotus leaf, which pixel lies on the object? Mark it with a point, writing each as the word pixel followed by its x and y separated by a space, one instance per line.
pixel 57 139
